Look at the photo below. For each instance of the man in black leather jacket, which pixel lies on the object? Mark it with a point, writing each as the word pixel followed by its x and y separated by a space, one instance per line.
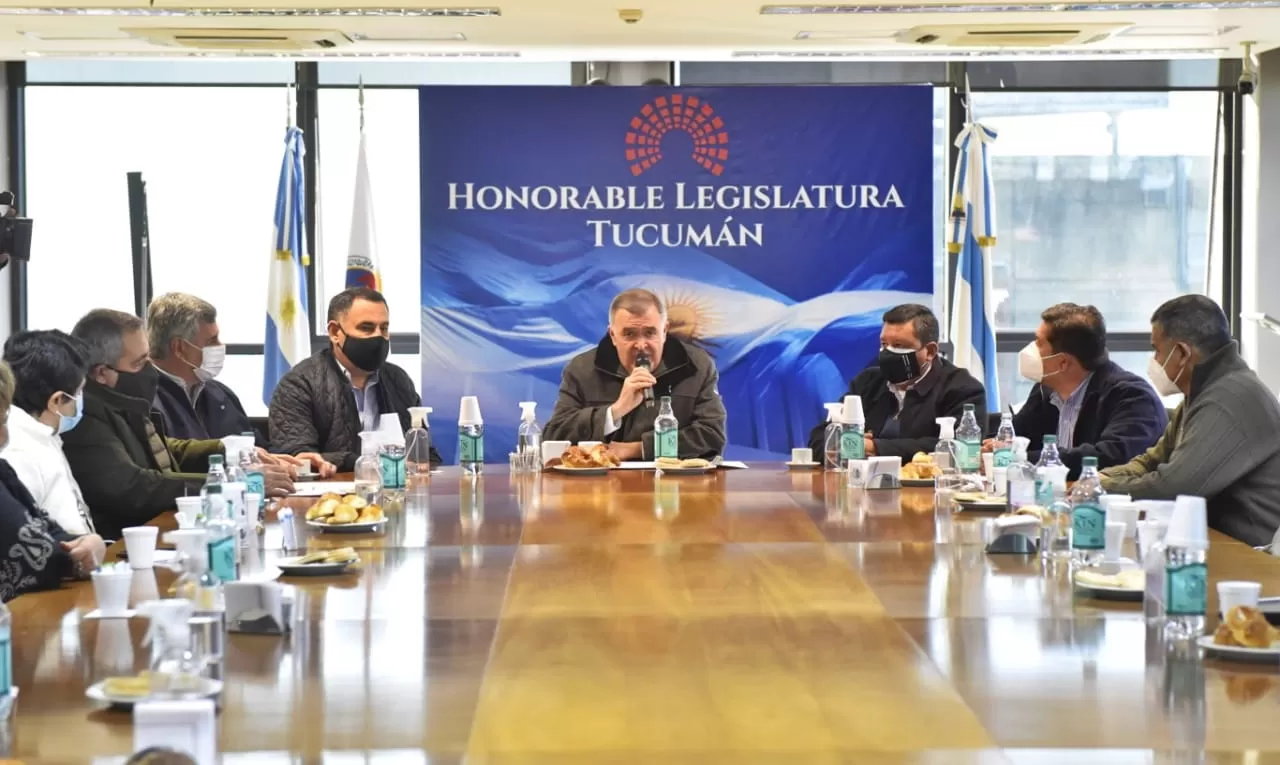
pixel 325 402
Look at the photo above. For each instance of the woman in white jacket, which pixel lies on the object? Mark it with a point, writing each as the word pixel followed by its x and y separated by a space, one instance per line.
pixel 49 367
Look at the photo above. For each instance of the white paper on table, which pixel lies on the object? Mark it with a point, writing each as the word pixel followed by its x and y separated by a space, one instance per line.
pixel 734 464
pixel 320 488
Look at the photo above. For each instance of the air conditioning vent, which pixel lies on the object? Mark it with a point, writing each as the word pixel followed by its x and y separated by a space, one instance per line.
pixel 1009 35
pixel 243 39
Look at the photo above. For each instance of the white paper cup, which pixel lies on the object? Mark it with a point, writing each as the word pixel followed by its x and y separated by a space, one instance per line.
pixel 1000 481
pixel 1232 594
pixel 1126 513
pixel 144 586
pixel 1189 526
pixel 140 543
pixel 1149 532
pixel 469 411
pixel 588 445
pixel 188 512
pixel 1157 510
pixel 1114 541
pixel 553 449
pixel 111 589
pixel 803 456
pixel 988 464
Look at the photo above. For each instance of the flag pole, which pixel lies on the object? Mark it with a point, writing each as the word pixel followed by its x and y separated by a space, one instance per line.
pixel 968 101
pixel 288 105
pixel 360 100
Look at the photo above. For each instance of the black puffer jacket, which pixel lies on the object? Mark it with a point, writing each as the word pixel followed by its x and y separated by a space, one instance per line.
pixel 313 409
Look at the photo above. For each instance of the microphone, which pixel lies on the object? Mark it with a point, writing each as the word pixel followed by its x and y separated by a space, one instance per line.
pixel 642 362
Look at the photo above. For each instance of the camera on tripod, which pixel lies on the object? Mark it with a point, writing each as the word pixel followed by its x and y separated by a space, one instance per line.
pixel 15 231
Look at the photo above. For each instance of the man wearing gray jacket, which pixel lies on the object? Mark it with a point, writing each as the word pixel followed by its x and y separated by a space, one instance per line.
pixel 603 390
pixel 1223 442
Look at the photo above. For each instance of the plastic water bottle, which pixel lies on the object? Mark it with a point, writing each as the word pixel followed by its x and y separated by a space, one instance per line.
pixel 417 452
pixel 6 651
pixel 1088 516
pixel 391 458
pixel 255 480
pixel 666 431
pixel 1003 452
pixel 1021 477
pixel 1046 472
pixel 944 455
pixel 529 439
pixel 470 436
pixel 852 431
pixel 1186 548
pixel 1153 583
pixel 969 441
pixel 213 482
pixel 831 439
pixel 223 539
pixel 368 469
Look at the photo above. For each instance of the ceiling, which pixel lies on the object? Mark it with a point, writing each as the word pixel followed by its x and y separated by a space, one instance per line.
pixel 566 30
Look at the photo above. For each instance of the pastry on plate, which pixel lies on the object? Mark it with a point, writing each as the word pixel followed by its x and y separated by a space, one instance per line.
pixel 135 687
pixel 1247 628
pixel 344 513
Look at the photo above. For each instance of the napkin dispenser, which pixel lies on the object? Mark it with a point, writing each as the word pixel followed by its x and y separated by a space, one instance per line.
pixel 875 473
pixel 257 608
pixel 1015 535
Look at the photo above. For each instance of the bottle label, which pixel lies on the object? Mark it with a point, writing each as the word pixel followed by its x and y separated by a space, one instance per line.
pixel 1186 590
pixel 968 455
pixel 470 448
pixel 1088 527
pixel 1003 457
pixel 1044 491
pixel 853 445
pixel 222 559
pixel 666 443
pixel 256 483
pixel 6 661
pixel 393 471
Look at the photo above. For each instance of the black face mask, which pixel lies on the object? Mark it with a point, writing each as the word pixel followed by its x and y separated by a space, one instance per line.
pixel 367 353
pixel 899 368
pixel 141 384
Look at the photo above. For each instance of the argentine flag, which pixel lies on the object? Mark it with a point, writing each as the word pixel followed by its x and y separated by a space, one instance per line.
pixel 288 338
pixel 972 234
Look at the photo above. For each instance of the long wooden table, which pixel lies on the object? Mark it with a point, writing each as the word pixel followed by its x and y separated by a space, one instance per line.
pixel 746 616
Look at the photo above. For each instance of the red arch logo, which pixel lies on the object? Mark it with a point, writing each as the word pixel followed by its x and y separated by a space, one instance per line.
pixel 677 112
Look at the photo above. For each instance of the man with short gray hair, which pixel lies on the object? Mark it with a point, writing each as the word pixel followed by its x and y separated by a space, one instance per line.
pixel 1223 441
pixel 183 333
pixel 603 389
pixel 128 470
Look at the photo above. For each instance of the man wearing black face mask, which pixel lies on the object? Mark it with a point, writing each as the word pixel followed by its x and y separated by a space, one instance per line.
pixel 908 388
pixel 325 402
pixel 128 471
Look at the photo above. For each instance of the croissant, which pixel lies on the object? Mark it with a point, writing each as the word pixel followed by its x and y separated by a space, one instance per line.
pixel 370 514
pixel 324 508
pixel 344 513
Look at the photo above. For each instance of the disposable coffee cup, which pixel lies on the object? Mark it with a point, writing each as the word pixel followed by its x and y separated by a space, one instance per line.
pixel 1149 533
pixel 1124 512
pixel 1189 526
pixel 802 456
pixel 188 512
pixel 1114 541
pixel 1157 510
pixel 1000 481
pixel 988 464
pixel 852 411
pixel 389 430
pixel 140 543
pixel 553 450
pixel 469 411
pixel 111 589
pixel 1232 594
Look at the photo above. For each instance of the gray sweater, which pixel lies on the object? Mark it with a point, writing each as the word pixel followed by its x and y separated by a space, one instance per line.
pixel 1223 444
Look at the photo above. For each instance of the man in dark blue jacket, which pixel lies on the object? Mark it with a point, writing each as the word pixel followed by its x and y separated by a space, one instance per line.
pixel 1095 408
pixel 183 330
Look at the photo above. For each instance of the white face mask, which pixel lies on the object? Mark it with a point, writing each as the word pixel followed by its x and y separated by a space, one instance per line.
pixel 212 358
pixel 1031 363
pixel 1160 378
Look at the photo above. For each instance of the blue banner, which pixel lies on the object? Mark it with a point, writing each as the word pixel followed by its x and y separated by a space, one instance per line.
pixel 777 223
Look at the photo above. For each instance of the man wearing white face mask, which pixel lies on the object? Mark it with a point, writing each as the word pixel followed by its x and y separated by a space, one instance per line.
pixel 1223 441
pixel 1093 407
pixel 183 331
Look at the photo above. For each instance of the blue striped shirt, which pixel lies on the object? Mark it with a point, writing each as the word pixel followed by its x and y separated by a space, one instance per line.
pixel 1069 412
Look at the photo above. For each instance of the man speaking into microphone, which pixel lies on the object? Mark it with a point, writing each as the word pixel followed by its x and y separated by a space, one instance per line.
pixel 607 393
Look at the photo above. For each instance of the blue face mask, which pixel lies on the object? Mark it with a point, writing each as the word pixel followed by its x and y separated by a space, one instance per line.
pixel 66 423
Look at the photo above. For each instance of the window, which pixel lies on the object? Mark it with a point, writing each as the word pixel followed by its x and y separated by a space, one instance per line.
pixel 391 139
pixel 1103 198
pixel 210 157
